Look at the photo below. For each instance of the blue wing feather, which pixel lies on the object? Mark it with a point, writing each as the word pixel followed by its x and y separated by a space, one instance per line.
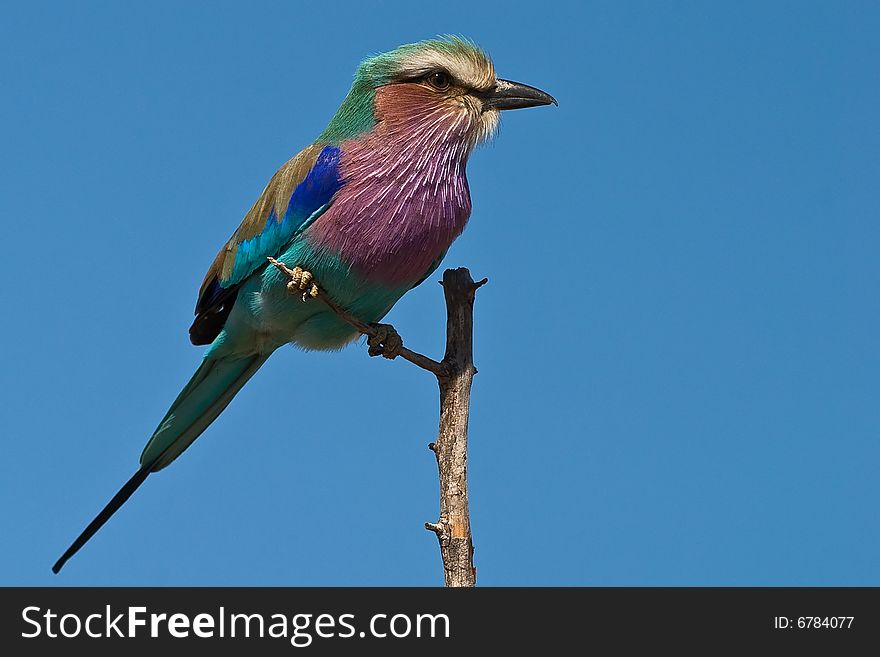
pixel 309 199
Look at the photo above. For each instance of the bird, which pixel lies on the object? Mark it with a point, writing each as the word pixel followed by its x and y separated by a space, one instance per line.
pixel 367 211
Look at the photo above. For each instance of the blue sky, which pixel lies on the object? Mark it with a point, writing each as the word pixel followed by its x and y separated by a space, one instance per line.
pixel 677 349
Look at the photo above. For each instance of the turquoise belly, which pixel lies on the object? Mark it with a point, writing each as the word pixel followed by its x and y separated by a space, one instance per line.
pixel 266 316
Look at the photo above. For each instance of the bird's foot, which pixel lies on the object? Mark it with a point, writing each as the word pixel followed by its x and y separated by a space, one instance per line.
pixel 386 342
pixel 302 283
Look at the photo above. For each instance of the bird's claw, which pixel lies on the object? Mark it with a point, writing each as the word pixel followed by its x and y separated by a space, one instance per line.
pixel 386 341
pixel 303 283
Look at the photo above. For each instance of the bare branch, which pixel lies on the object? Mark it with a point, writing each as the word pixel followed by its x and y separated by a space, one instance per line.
pixel 454 527
pixel 454 375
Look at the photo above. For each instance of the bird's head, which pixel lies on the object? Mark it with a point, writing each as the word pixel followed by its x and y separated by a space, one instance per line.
pixel 447 80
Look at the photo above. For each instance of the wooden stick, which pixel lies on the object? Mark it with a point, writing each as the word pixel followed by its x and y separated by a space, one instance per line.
pixel 453 529
pixel 455 375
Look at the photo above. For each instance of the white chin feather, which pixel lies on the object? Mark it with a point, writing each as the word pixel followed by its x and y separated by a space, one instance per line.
pixel 487 125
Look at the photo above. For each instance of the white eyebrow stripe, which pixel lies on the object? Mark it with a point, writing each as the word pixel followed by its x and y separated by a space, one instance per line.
pixel 470 71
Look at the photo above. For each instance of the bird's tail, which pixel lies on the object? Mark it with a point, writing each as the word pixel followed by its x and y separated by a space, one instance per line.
pixel 208 392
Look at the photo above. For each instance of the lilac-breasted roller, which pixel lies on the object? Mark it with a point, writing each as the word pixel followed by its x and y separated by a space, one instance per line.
pixel 367 211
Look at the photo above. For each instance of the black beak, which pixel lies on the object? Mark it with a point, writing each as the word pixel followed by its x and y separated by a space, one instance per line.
pixel 513 95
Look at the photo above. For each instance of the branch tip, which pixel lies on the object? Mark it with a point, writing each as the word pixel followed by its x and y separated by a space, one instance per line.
pixel 434 527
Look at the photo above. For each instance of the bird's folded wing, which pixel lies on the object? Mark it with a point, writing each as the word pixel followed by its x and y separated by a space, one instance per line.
pixel 295 196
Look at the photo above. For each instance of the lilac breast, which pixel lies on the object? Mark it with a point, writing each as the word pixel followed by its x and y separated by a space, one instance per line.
pixel 404 200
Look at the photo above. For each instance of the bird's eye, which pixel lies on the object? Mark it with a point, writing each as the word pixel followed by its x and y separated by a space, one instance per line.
pixel 439 79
